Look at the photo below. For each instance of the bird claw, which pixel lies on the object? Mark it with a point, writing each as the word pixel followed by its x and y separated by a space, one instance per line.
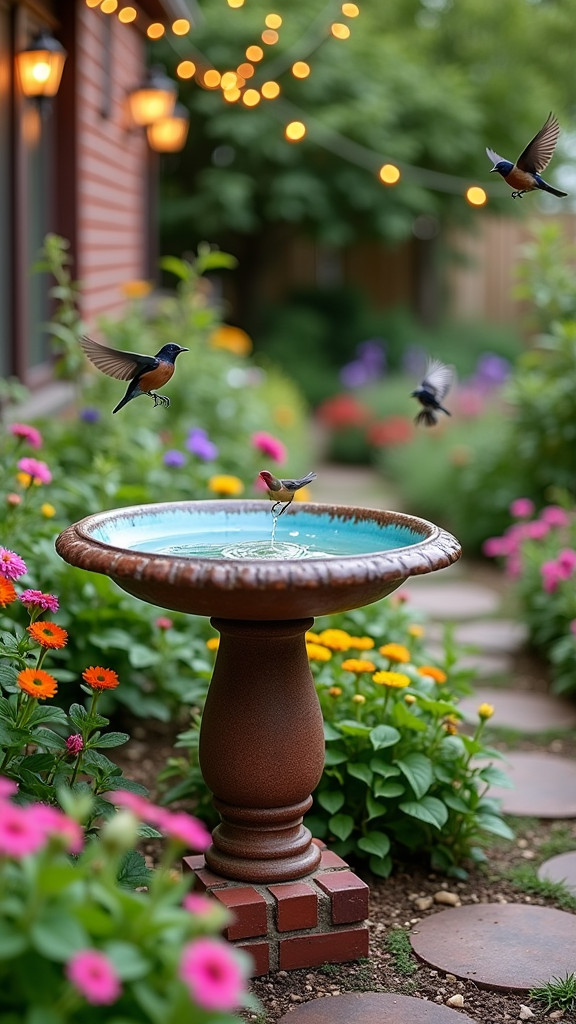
pixel 519 194
pixel 160 399
pixel 283 506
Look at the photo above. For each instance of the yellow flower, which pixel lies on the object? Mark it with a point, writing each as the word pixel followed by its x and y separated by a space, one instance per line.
pixel 395 652
pixel 335 691
pixel 409 698
pixel 358 665
pixel 47 510
pixel 311 637
pixel 358 698
pixel 318 653
pixel 233 339
pixel 213 643
pixel 395 679
pixel 361 643
pixel 303 494
pixel 485 711
pixel 136 289
pixel 450 724
pixel 335 639
pixel 416 630
pixel 25 480
pixel 225 485
pixel 437 674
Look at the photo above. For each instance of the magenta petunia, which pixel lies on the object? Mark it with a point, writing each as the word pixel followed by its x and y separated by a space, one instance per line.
pixel 185 829
pixel 93 974
pixel 26 433
pixel 36 469
pixel 20 832
pixel 522 508
pixel 269 445
pixel 11 565
pixel 213 974
pixel 36 599
pixel 551 576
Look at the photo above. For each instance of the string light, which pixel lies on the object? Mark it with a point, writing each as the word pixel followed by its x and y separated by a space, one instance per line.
pixel 270 90
pixel 231 95
pixel 92 3
pixel 350 10
pixel 254 53
pixel 212 78
pixel 294 131
pixel 155 30
pixel 108 6
pixel 340 31
pixel 181 27
pixel 251 98
pixel 476 196
pixel 272 21
pixel 245 70
pixel 229 80
pixel 300 69
pixel 126 15
pixel 186 69
pixel 389 174
pixel 269 36
pixel 235 3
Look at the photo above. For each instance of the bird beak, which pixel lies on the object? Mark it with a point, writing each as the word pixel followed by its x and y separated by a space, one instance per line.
pixel 493 169
pixel 184 349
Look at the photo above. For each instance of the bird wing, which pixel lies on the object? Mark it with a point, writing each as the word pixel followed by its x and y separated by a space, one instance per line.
pixel 114 362
pixel 538 153
pixel 494 157
pixel 295 485
pixel 439 378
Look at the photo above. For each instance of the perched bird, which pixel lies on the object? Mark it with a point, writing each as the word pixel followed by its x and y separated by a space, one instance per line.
pixel 144 372
pixel 282 492
pixel 433 390
pixel 524 175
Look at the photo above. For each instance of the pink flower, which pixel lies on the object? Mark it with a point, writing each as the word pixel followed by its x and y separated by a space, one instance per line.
pixel 20 833
pixel 269 446
pixel 522 508
pixel 37 470
pixel 55 824
pixel 573 627
pixel 198 904
pixel 495 547
pixel 139 806
pixel 551 577
pixel 537 529
pixel 13 499
pixel 27 433
pixel 163 622
pixel 555 515
pixel 93 974
pixel 213 974
pixel 74 744
pixel 36 599
pixel 11 565
pixel 566 562
pixel 185 829
pixel 7 787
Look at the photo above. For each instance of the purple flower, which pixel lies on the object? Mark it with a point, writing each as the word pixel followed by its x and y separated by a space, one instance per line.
pixel 492 370
pixel 36 599
pixel 200 445
pixel 74 744
pixel 174 458
pixel 89 414
pixel 11 565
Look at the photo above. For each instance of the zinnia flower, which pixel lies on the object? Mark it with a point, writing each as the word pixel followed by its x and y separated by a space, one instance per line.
pixel 94 976
pixel 66 832
pixel 358 698
pixel 394 679
pixel 185 829
pixel 358 665
pixel 11 565
pixel 7 592
pixel 48 634
pixel 555 515
pixel 163 622
pixel 26 433
pixel 37 683
pixel 100 678
pixel 416 630
pixel 20 833
pixel 522 508
pixel 36 599
pixel 47 510
pixel 196 903
pixel 269 446
pixel 213 974
pixel 317 653
pixel 225 485
pixel 234 339
pixel 37 470
pixel 335 639
pixel 437 674
pixel 361 643
pixel 395 652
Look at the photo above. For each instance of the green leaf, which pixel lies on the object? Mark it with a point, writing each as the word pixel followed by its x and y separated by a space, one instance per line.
pixel 46 713
pixel 133 871
pixel 12 941
pixel 428 809
pixel 496 777
pixel 341 825
pixel 384 736
pixel 361 771
pixel 56 934
pixel 491 823
pixel 456 803
pixel 417 769
pixel 377 843
pixel 374 808
pixel 334 756
pixel 381 866
pixel 110 739
pixel 383 768
pixel 129 785
pixel 331 800
pixel 351 728
pixel 330 732
pixel 128 960
pixel 406 719
pixel 383 787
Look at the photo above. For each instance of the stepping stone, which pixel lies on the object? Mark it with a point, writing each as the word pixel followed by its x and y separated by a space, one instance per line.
pixel 502 946
pixel 452 600
pixel 485 664
pixel 526 712
pixel 373 1008
pixel 495 636
pixel 561 868
pixel 544 786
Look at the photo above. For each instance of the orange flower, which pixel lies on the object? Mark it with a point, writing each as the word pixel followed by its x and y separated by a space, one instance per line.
pixel 361 643
pixel 335 639
pixel 311 637
pixel 395 652
pixel 100 678
pixel 213 643
pixel 358 665
pixel 437 674
pixel 335 691
pixel 48 634
pixel 317 653
pixel 37 683
pixel 7 592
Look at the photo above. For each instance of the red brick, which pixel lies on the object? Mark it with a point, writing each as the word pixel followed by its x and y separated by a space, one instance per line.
pixel 322 948
pixel 206 879
pixel 194 862
pixel 296 906
pixel 249 909
pixel 320 843
pixel 260 953
pixel 329 859
pixel 348 895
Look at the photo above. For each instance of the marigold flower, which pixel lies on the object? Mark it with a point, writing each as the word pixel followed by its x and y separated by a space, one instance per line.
pixel 37 683
pixel 93 974
pixel 335 691
pixel 26 433
pixel 213 643
pixel 225 485
pixel 485 711
pixel 7 592
pixel 11 565
pixel 48 634
pixel 36 599
pixel 395 652
pixel 395 679
pixel 361 643
pixel 36 469
pixel 416 630
pixel 358 698
pixel 437 674
pixel 269 446
pixel 47 510
pixel 335 639
pixel 100 678
pixel 358 665
pixel 213 974
pixel 311 637
pixel 318 653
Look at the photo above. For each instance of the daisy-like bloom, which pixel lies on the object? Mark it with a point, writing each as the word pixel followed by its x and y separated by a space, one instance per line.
pixel 74 744
pixel 11 565
pixel 20 833
pixel 36 599
pixel 213 974
pixel 358 698
pixel 394 679
pixel 100 678
pixel 185 829
pixel 94 976
pixel 26 433
pixel 163 622
pixel 311 637
pixel 47 510
pixel 395 652
pixel 225 485
pixel 318 653
pixel 7 592
pixel 358 665
pixel 37 683
pixel 37 470
pixel 335 639
pixel 485 711
pixel 213 643
pixel 416 630
pixel 48 634
pixel 361 643
pixel 335 691
pixel 437 674
pixel 269 446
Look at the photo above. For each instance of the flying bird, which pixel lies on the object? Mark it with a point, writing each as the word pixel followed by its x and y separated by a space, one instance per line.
pixel 282 492
pixel 524 175
pixel 432 391
pixel 145 373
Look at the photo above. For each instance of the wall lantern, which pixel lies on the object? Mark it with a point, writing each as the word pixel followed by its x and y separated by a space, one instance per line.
pixel 40 67
pixel 154 99
pixel 169 134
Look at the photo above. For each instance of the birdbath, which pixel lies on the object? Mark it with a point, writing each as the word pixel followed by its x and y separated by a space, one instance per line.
pixel 261 740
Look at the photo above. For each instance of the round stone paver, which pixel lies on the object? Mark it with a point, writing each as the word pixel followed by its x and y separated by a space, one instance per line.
pixel 373 1008
pixel 526 712
pixel 544 786
pixel 503 946
pixel 445 599
pixel 561 868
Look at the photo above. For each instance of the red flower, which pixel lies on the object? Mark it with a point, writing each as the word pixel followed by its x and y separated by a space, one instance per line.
pixel 342 411
pixel 390 431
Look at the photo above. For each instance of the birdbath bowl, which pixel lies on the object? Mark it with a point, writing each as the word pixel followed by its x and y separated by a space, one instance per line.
pixel 261 741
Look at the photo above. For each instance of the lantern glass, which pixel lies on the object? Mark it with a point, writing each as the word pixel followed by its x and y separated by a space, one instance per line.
pixel 169 134
pixel 40 66
pixel 155 99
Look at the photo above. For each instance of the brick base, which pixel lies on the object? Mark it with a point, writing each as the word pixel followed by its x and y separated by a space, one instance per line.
pixel 318 919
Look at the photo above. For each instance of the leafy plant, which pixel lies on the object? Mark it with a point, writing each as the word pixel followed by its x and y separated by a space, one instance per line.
pixel 557 994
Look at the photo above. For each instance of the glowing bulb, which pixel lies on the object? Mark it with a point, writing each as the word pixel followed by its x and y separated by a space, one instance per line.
pixel 350 10
pixel 181 26
pixel 211 78
pixel 300 69
pixel 229 80
pixel 251 98
pixel 269 37
pixel 245 70
pixel 186 69
pixel 155 30
pixel 92 3
pixel 41 71
pixel 389 174
pixel 231 95
pixel 235 3
pixel 126 15
pixel 476 196
pixel 272 21
pixel 270 90
pixel 108 6
pixel 340 31
pixel 254 53
pixel 294 131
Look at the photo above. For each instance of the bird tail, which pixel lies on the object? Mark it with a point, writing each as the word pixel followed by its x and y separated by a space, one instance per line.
pixel 553 191
pixel 426 417
pixel 122 402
